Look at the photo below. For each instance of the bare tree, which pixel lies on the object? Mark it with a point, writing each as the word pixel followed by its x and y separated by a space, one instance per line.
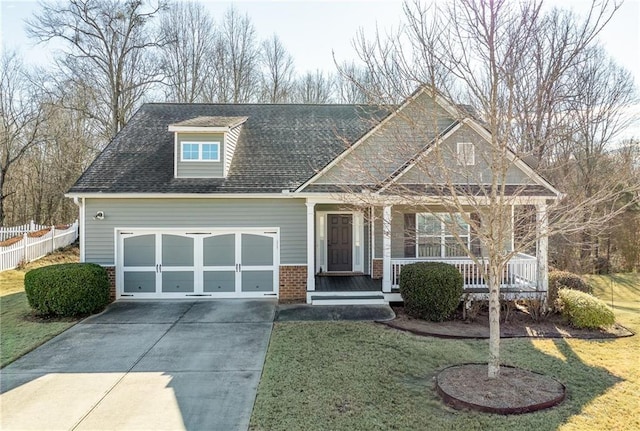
pixel 278 72
pixel 599 107
pixel 22 116
pixel 314 88
pixel 109 47
pixel 353 84
pixel 188 57
pixel 237 56
pixel 475 52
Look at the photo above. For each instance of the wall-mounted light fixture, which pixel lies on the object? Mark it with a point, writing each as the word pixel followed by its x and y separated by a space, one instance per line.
pixel 99 215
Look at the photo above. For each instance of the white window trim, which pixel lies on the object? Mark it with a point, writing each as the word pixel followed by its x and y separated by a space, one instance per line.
pixel 466 158
pixel 443 237
pixel 199 144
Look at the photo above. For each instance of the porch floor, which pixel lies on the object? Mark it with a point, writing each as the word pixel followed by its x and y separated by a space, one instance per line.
pixel 347 283
pixel 364 283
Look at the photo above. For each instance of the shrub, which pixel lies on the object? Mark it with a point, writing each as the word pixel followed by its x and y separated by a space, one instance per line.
pixel 567 280
pixel 584 310
pixel 430 290
pixel 68 289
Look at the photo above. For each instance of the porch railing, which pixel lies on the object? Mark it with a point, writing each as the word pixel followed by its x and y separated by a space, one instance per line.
pixel 520 272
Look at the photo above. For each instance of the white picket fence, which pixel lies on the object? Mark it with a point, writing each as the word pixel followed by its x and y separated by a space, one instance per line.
pixel 28 248
pixel 11 231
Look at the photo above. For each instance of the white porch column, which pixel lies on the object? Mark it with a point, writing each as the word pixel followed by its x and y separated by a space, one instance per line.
pixel 542 230
pixel 311 246
pixel 386 249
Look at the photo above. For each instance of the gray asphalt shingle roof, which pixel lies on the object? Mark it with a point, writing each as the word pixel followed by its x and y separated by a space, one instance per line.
pixel 279 147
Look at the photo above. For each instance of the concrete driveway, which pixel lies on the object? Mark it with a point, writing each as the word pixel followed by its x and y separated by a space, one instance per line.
pixel 164 365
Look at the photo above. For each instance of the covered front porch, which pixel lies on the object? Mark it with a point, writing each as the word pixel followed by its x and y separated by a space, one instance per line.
pixel 357 253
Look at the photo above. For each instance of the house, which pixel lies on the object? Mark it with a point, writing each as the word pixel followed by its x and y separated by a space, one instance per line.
pixel 237 201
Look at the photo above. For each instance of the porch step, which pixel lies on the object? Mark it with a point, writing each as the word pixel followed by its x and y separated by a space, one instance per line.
pixel 354 299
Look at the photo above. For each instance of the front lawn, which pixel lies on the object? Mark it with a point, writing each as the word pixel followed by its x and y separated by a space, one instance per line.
pixel 20 330
pixel 363 376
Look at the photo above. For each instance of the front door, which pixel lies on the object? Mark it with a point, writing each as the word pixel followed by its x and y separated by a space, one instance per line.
pixel 339 246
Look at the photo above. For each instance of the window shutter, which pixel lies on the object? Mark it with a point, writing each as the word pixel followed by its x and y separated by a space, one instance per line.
pixel 476 247
pixel 410 235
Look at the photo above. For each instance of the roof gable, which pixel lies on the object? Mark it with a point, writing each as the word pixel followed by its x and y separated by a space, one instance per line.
pixel 371 159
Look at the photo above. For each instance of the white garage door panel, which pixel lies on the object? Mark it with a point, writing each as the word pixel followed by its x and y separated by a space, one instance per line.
pixel 175 263
pixel 139 282
pixel 219 281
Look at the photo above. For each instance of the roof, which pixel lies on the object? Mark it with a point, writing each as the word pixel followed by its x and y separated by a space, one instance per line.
pixel 279 147
pixel 211 121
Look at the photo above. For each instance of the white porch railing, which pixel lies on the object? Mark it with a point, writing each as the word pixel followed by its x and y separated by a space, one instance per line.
pixel 30 248
pixel 521 271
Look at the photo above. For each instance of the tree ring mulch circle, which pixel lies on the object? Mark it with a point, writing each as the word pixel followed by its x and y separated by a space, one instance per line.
pixel 516 391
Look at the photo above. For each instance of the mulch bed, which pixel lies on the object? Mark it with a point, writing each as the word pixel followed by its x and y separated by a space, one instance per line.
pixel 516 391
pixel 10 241
pixel 519 324
pixel 38 233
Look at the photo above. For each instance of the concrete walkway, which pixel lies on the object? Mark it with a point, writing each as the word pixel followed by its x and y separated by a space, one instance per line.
pixel 165 365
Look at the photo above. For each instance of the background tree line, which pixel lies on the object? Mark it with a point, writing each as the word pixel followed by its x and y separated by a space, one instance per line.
pixel 572 100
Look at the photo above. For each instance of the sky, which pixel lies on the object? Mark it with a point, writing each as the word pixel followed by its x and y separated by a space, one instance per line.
pixel 313 30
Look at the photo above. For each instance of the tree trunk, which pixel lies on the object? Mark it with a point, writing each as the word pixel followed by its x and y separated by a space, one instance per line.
pixel 494 319
pixel 3 176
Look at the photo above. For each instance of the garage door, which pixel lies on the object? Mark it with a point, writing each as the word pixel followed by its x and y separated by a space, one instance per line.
pixel 182 263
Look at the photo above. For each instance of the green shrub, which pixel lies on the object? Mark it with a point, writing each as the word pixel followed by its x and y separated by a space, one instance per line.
pixel 68 289
pixel 430 290
pixel 567 280
pixel 584 310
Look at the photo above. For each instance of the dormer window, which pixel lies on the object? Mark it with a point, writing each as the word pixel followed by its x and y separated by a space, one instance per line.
pixel 204 146
pixel 200 151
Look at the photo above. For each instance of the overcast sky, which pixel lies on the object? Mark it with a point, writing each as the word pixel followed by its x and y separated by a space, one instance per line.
pixel 312 30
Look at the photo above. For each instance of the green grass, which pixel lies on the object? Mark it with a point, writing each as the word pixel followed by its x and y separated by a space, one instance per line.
pixel 363 376
pixel 20 330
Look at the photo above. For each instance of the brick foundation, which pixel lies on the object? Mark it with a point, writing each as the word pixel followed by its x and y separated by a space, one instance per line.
pixel 293 283
pixel 376 270
pixel 111 273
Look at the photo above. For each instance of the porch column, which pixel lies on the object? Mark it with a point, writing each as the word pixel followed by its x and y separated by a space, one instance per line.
pixel 386 249
pixel 542 228
pixel 311 247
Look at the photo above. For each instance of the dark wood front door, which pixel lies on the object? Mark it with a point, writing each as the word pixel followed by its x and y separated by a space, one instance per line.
pixel 339 246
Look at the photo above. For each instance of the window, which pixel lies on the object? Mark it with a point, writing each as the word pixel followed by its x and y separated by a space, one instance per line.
pixel 436 235
pixel 466 154
pixel 200 151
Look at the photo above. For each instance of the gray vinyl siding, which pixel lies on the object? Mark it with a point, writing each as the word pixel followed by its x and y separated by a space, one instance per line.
pixel 428 170
pixel 397 232
pixel 231 138
pixel 377 215
pixel 392 145
pixel 287 214
pixel 200 169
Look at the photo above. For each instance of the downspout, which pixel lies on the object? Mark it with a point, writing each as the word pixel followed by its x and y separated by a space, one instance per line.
pixel 81 220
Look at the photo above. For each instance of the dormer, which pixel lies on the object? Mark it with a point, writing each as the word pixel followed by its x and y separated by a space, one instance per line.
pixel 204 146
